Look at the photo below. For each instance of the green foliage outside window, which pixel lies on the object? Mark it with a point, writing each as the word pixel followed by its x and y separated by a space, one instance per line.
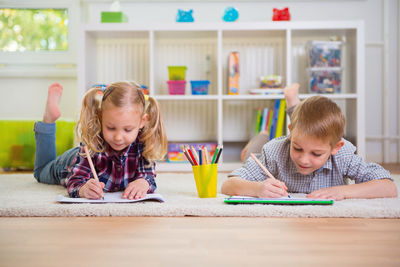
pixel 33 29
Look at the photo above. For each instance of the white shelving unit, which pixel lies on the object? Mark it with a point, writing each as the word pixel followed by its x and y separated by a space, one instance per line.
pixel 113 52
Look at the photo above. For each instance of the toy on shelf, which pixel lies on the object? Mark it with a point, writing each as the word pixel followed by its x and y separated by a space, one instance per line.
pixel 271 81
pixel 176 82
pixel 324 53
pixel 177 72
pixel 230 14
pixel 233 69
pixel 324 60
pixel 184 16
pixel 269 85
pixel 114 15
pixel 325 80
pixel 200 87
pixel 281 14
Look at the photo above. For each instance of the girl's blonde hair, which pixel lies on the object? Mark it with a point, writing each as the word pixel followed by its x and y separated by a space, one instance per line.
pixel 121 94
pixel 320 117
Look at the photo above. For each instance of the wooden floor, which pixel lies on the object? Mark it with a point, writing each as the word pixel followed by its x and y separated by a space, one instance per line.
pixel 199 241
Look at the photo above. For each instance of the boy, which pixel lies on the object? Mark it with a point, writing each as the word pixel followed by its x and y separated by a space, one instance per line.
pixel 314 159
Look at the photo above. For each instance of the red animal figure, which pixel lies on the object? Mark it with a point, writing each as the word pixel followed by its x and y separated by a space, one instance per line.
pixel 281 14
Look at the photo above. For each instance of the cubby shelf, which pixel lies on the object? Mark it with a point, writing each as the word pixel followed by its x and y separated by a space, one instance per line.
pixel 113 52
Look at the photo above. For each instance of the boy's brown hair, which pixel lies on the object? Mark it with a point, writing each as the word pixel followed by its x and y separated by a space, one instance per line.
pixel 320 117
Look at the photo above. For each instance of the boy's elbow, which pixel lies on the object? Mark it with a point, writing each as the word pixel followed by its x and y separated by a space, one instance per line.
pixel 394 190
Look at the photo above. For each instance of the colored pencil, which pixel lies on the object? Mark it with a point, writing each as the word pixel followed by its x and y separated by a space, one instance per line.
pixel 207 156
pixel 200 157
pixel 219 154
pixel 193 158
pixel 215 155
pixel 187 155
pixel 91 164
pixel 194 154
pixel 262 166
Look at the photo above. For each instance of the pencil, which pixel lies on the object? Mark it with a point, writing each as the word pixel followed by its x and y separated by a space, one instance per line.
pixel 219 153
pixel 264 169
pixel 194 154
pixel 191 155
pixel 262 166
pixel 187 155
pixel 207 156
pixel 91 164
pixel 200 157
pixel 215 155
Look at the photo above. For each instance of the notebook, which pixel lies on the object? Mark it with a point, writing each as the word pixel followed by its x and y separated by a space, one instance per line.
pixel 277 201
pixel 114 197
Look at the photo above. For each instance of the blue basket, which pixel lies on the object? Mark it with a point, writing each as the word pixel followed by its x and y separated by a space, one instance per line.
pixel 200 87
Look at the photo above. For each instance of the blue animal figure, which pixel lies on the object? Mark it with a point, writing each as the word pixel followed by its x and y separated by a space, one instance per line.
pixel 230 14
pixel 184 16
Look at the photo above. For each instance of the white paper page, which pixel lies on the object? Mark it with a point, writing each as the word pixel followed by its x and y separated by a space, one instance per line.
pixel 114 197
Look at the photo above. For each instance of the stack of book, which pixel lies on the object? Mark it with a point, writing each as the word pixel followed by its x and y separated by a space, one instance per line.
pixel 271 120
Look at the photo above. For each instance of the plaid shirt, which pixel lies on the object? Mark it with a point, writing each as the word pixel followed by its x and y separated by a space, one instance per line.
pixel 115 170
pixel 275 155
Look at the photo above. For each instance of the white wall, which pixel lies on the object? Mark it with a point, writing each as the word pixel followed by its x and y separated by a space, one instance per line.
pixel 373 12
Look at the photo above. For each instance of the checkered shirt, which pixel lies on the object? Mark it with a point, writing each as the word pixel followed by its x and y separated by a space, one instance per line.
pixel 115 170
pixel 275 155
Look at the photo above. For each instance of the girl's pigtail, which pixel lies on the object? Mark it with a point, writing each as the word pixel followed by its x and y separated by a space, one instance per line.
pixel 153 135
pixel 88 128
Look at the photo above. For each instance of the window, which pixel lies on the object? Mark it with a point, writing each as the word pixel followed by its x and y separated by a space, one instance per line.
pixel 33 30
pixel 38 35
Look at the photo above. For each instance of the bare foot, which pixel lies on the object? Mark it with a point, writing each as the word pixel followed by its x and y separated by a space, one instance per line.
pixel 291 93
pixel 52 112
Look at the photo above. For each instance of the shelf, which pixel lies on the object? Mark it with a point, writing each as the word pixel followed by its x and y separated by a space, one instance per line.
pixel 112 52
pixel 186 97
pixel 245 26
pixel 331 96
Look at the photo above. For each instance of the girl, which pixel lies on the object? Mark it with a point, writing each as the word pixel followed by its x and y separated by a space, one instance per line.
pixel 124 133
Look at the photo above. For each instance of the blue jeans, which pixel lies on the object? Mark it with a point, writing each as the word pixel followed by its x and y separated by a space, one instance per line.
pixel 49 168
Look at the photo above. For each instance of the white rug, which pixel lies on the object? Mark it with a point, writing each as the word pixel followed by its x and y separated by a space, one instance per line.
pixel 21 195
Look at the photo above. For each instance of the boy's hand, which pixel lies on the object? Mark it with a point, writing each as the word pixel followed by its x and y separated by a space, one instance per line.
pixel 272 188
pixel 335 193
pixel 136 189
pixel 93 189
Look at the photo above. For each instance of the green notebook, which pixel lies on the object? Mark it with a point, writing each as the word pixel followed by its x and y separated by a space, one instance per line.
pixel 277 201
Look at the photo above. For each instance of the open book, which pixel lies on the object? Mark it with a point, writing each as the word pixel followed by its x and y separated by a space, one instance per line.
pixel 278 201
pixel 115 197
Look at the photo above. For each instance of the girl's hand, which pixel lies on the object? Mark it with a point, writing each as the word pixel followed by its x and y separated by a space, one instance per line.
pixel 136 189
pixel 335 193
pixel 93 189
pixel 271 188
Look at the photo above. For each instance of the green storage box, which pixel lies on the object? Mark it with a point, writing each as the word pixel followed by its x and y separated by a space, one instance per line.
pixel 17 143
pixel 113 17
